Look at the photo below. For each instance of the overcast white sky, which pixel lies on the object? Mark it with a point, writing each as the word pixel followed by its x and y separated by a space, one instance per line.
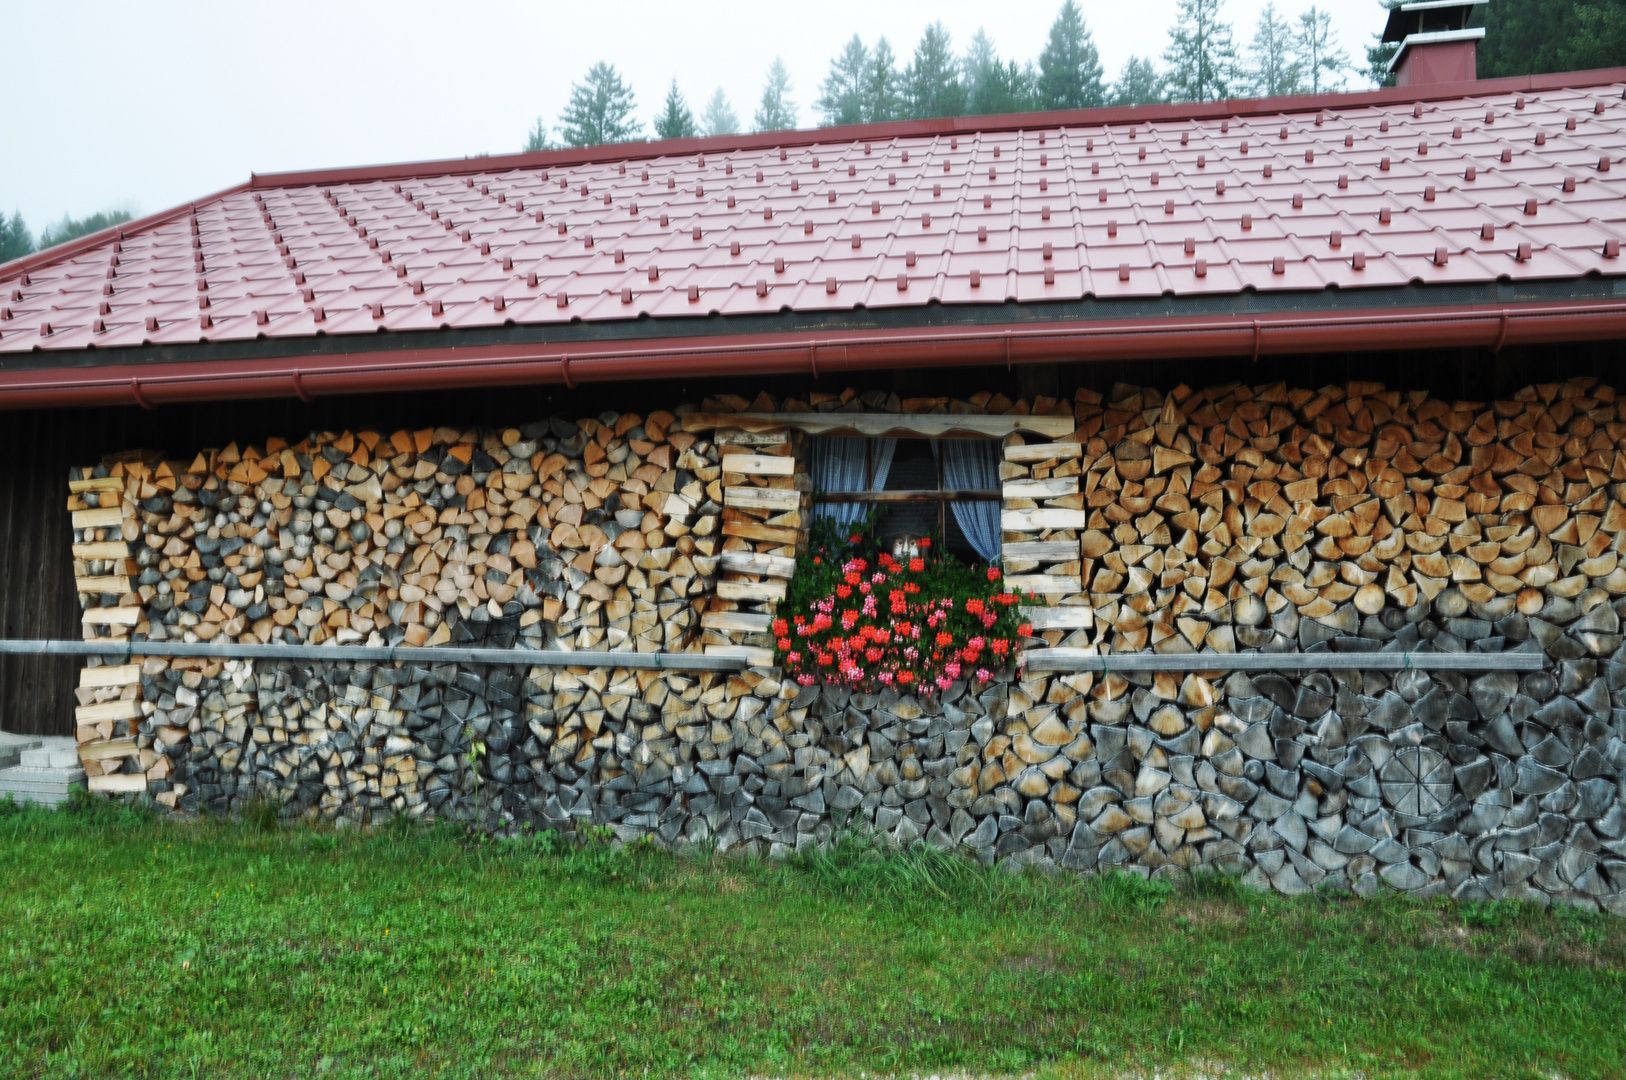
pixel 152 104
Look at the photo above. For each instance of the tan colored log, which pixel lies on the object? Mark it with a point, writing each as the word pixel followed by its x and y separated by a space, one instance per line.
pixel 737 437
pixel 1031 452
pixel 759 465
pixel 96 483
pixel 111 616
pixel 754 498
pixel 746 562
pixel 749 653
pixel 769 534
pixel 117 784
pixel 1045 518
pixel 1044 584
pixel 1050 488
pixel 876 425
pixel 751 590
pixel 1041 550
pixel 745 622
pixel 103 711
pixel 114 583
pixel 107 750
pixel 105 517
pixel 1073 617
pixel 115 675
pixel 102 550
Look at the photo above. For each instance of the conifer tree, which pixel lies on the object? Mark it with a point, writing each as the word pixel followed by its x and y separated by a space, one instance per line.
pixel 841 98
pixel 675 120
pixel 719 117
pixel 1201 55
pixel 1069 67
pixel 1273 69
pixel 600 110
pixel 777 112
pixel 932 81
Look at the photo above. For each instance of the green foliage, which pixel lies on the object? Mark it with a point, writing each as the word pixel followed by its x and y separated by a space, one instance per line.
pixel 719 117
pixel 1139 83
pixel 931 83
pixel 15 239
pixel 537 138
pixel 1379 55
pixel 140 947
pixel 776 111
pixel 675 120
pixel 1532 37
pixel 71 229
pixel 1316 51
pixel 1274 70
pixel 992 87
pixel 600 110
pixel 1070 65
pixel 1201 55
pixel 841 98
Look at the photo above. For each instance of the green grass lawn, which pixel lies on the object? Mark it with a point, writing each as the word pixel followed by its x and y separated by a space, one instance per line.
pixel 133 947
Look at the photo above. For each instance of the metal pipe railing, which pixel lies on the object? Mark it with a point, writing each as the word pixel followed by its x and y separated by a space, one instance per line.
pixel 232 650
pixel 1048 660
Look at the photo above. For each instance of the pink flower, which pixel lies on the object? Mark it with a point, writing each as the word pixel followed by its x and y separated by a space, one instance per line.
pixel 983 675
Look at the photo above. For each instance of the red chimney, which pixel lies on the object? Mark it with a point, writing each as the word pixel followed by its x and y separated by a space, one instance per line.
pixel 1436 45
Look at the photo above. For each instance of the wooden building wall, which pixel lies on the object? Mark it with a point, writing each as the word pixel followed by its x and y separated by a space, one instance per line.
pixel 37 448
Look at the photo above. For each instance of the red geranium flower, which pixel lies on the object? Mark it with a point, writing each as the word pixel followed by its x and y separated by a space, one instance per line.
pixel 944 637
pixel 917 565
pixel 993 573
pixel 1025 630
pixel 924 542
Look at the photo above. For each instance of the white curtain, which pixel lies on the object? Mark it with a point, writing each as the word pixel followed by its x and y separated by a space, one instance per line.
pixel 973 464
pixel 837 464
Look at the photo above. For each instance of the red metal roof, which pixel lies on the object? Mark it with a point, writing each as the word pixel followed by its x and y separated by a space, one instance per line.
pixel 1356 191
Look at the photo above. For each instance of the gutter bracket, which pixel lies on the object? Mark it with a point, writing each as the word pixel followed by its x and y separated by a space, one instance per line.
pixel 1501 334
pixel 299 389
pixel 140 398
pixel 1258 339
pixel 564 369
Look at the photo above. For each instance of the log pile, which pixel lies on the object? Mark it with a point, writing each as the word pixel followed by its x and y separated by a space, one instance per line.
pixel 1228 519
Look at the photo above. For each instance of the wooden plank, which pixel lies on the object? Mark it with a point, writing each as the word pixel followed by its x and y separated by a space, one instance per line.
pixel 745 622
pixel 114 583
pixel 110 748
pixel 117 784
pixel 1052 488
pixel 1048 584
pixel 96 483
pixel 759 465
pixel 755 498
pixel 104 517
pixel 768 534
pixel 1042 550
pixel 752 655
pixel 736 437
pixel 920 495
pixel 751 590
pixel 102 550
pixel 1031 452
pixel 893 425
pixel 100 712
pixel 750 562
pixel 1059 618
pixel 1043 518
pixel 111 616
pixel 114 675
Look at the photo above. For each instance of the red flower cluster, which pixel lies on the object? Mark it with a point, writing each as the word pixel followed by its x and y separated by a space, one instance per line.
pixel 876 627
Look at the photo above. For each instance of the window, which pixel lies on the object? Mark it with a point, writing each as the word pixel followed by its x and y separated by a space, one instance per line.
pixel 948 486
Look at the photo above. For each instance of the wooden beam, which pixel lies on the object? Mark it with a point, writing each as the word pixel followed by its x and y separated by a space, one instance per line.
pixel 745 622
pixel 1044 518
pixel 118 784
pixel 1072 617
pixel 96 483
pixel 953 495
pixel 102 550
pixel 1031 452
pixel 111 616
pixel 1052 488
pixel 110 675
pixel 115 583
pixel 751 590
pixel 1045 584
pixel 109 748
pixel 104 517
pixel 102 711
pixel 752 655
pixel 759 465
pixel 755 498
pixel 1042 550
pixel 747 562
pixel 890 425
pixel 767 534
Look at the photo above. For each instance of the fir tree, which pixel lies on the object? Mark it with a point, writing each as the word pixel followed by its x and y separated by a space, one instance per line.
pixel 883 97
pixel 932 81
pixel 600 110
pixel 1273 71
pixel 71 229
pixel 841 98
pixel 1201 55
pixel 777 112
pixel 537 138
pixel 1318 54
pixel 1378 56
pixel 1069 67
pixel 719 117
pixel 993 87
pixel 675 120
pixel 15 239
pixel 1139 83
